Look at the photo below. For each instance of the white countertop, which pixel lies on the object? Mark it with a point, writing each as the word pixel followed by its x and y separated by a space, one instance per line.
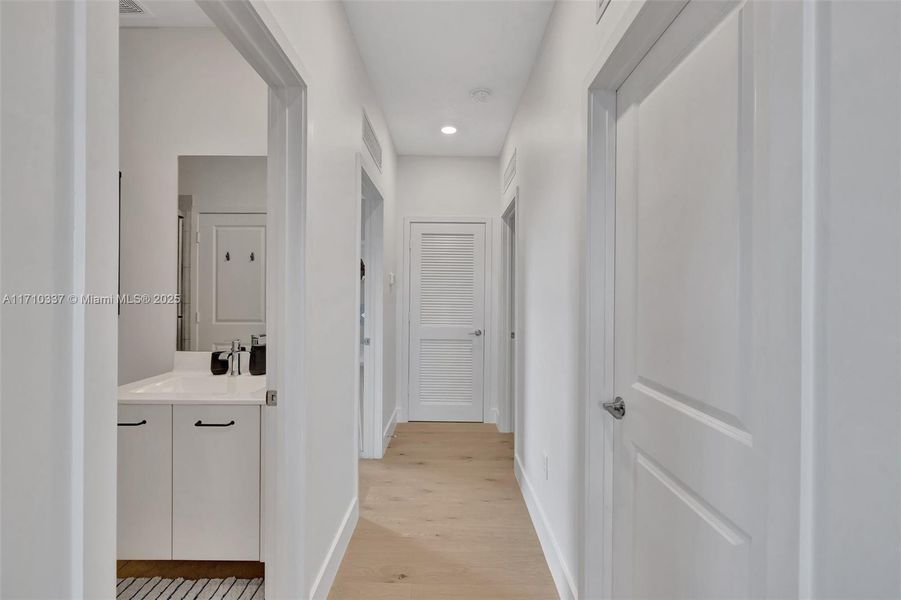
pixel 190 382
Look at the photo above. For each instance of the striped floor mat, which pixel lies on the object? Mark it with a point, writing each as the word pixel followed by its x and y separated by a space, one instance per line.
pixel 157 588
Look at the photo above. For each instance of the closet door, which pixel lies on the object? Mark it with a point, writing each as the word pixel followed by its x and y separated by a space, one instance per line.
pixel 447 321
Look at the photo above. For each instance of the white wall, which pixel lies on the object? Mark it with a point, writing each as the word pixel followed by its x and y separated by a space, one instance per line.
pixel 223 183
pixel 857 493
pixel 443 186
pixel 183 91
pixel 549 134
pixel 338 91
pixel 58 90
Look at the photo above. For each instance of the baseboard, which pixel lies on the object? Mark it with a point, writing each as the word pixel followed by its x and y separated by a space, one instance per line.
pixel 492 415
pixel 389 430
pixel 563 578
pixel 329 569
pixel 401 413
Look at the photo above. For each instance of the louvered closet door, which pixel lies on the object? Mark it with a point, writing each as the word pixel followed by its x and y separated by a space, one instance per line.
pixel 447 321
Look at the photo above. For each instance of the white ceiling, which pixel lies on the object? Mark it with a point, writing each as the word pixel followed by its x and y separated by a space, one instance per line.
pixel 167 13
pixel 424 57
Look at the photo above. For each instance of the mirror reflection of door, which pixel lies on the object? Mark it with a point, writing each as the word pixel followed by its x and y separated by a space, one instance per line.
pixel 231 279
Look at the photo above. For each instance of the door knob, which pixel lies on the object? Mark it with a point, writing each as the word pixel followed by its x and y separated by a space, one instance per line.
pixel 476 333
pixel 617 408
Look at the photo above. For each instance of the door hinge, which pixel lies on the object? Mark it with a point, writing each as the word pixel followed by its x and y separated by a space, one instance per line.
pixel 271 398
pixel 197 237
pixel 512 335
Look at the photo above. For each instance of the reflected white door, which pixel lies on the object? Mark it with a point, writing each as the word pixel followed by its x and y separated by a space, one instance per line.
pixel 231 278
pixel 690 480
pixel 447 321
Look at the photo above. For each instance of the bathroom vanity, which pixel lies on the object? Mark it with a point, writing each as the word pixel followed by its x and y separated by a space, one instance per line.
pixel 189 464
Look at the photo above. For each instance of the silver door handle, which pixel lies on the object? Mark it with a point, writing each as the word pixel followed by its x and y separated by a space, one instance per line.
pixel 476 333
pixel 617 408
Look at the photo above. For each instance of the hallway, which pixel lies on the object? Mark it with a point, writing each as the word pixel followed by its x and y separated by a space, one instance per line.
pixel 441 516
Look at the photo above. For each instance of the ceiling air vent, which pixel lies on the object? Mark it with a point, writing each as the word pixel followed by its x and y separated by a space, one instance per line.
pixel 510 171
pixel 372 142
pixel 130 7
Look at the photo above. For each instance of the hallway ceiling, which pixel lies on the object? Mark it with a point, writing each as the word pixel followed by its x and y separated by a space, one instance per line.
pixel 425 57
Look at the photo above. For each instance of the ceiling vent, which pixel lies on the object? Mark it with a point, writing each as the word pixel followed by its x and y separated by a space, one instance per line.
pixel 372 142
pixel 130 7
pixel 510 171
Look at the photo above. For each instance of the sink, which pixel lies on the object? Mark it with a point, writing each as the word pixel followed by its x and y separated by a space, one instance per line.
pixel 204 384
pixel 195 386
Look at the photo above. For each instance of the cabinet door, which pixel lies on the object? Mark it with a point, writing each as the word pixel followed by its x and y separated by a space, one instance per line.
pixel 144 520
pixel 216 481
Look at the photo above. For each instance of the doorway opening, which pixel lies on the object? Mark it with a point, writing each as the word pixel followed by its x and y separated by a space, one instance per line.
pixel 507 416
pixel 230 511
pixel 370 415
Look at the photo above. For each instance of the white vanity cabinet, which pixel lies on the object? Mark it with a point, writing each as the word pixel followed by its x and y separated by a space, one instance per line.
pixel 189 481
pixel 144 502
pixel 216 482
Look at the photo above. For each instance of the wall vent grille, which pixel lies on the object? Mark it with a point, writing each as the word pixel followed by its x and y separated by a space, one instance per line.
pixel 371 141
pixel 130 7
pixel 510 171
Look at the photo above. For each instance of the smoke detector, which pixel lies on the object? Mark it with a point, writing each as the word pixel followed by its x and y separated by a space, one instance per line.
pixel 130 7
pixel 480 95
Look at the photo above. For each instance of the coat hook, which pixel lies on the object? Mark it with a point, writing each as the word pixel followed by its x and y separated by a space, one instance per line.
pixel 251 257
pixel 228 256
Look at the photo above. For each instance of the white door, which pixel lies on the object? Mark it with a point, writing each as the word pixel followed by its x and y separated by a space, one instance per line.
pixel 447 321
pixel 690 495
pixel 231 276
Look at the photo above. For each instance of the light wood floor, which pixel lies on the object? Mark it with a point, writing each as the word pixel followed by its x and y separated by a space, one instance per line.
pixel 442 517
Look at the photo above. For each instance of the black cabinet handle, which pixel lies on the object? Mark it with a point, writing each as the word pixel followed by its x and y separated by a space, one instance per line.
pixel 144 422
pixel 200 423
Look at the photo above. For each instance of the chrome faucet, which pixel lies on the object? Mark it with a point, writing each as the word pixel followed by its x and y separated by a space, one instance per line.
pixel 234 358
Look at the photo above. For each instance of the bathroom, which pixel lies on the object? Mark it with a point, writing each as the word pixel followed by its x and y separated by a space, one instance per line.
pixel 192 362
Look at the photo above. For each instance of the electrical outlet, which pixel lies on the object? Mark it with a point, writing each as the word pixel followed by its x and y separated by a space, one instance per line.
pixel 546 471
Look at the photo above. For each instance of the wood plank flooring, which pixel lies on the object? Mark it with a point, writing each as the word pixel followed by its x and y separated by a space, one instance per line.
pixel 442 517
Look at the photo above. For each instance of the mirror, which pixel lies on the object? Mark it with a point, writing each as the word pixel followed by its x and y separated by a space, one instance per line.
pixel 221 251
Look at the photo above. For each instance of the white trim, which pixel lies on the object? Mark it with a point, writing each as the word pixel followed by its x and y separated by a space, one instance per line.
pixel 252 30
pixel 563 579
pixel 633 36
pixel 326 575
pixel 506 401
pixel 403 326
pixel 370 421
pixel 389 430
pixel 807 491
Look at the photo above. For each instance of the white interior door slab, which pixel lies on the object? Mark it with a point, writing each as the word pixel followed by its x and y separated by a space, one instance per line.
pixel 447 321
pixel 231 275
pixel 689 515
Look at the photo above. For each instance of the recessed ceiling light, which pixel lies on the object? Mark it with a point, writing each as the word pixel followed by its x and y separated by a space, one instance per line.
pixel 448 130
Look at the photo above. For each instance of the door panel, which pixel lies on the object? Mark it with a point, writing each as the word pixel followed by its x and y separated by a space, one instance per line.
pixel 144 498
pixel 216 482
pixel 447 308
pixel 687 522
pixel 231 279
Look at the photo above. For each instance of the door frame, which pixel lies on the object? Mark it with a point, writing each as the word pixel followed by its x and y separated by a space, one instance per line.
pixel 403 365
pixel 507 381
pixel 635 34
pixel 779 122
pixel 254 33
pixel 375 439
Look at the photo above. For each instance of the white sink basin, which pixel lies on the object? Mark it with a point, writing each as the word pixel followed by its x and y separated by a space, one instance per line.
pixel 195 386
pixel 204 384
